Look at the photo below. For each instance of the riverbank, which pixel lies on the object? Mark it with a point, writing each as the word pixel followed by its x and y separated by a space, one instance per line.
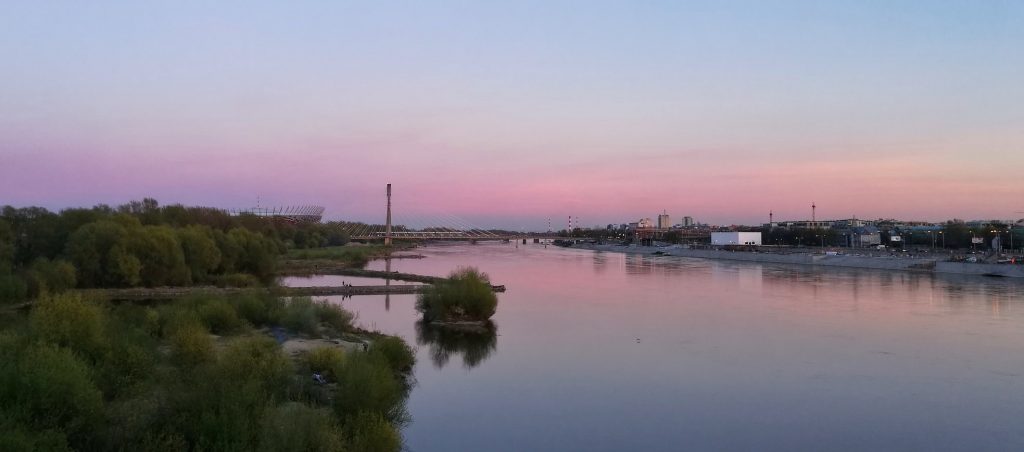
pixel 891 263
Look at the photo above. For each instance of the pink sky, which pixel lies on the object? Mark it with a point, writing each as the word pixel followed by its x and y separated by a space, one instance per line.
pixel 509 115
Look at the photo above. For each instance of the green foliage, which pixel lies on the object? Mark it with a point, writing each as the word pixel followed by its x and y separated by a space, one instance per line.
pixel 80 375
pixel 163 261
pixel 465 296
pixel 258 254
pixel 303 315
pixel 356 256
pixel 235 280
pixel 333 316
pixel 68 320
pixel 46 276
pixel 191 346
pixel 325 360
pixel 371 432
pixel 225 410
pixel 12 288
pixel 200 250
pixel 123 268
pixel 6 247
pixel 144 244
pixel 300 316
pixel 259 309
pixel 294 427
pixel 257 358
pixel 89 249
pixel 52 389
pixel 219 316
pixel 15 437
pixel 398 354
pixel 366 384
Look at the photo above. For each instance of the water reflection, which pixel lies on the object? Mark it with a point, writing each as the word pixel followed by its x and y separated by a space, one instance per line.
pixel 474 343
pixel 732 356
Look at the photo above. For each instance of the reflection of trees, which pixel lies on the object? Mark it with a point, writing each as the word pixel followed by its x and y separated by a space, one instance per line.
pixel 474 342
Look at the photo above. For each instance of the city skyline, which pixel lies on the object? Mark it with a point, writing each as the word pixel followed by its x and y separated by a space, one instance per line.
pixel 510 115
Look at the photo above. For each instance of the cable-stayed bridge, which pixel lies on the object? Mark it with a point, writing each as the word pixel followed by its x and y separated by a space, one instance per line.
pixel 432 226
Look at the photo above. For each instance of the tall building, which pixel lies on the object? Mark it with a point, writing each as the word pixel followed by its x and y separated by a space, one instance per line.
pixel 664 221
pixel 687 222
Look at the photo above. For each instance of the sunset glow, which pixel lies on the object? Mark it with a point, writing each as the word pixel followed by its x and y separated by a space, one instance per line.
pixel 510 115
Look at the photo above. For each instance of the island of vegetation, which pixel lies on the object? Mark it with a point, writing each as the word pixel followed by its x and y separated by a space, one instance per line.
pixel 465 298
pixel 251 371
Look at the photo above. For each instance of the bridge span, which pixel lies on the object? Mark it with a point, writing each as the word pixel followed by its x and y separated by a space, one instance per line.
pixel 454 236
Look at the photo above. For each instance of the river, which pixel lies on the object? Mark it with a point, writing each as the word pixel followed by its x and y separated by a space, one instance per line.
pixel 603 351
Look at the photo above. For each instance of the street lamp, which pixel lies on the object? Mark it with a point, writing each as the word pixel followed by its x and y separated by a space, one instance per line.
pixel 943 239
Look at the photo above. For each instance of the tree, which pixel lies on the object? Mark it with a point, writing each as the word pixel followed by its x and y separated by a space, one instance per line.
pixel 89 249
pixel 67 320
pixel 6 247
pixel 201 253
pixel 163 261
pixel 46 276
pixel 258 254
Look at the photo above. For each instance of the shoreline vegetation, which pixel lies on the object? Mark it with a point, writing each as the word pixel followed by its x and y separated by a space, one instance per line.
pixel 233 362
pixel 202 373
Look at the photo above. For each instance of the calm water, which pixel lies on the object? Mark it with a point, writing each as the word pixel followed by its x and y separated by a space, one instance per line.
pixel 603 351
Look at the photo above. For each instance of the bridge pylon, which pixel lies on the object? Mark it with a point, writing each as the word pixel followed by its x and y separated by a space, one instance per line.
pixel 387 224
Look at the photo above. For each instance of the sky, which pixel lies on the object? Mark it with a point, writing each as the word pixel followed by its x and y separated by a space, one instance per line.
pixel 506 114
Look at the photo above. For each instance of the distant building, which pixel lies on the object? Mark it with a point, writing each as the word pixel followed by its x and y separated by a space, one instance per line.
pixel 687 222
pixel 664 221
pixel 862 236
pixel 645 223
pixel 735 238
pixel 850 223
pixel 801 224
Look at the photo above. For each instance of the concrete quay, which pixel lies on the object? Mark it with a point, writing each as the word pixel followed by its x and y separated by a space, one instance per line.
pixel 893 263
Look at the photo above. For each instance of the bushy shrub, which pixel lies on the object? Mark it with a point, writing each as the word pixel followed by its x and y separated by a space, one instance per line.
pixel 46 276
pixel 371 432
pixel 54 390
pixel 259 309
pixel 299 428
pixel 326 360
pixel 300 315
pixel 398 354
pixel 12 288
pixel 333 316
pixel 366 383
pixel 219 316
pixel 15 437
pixel 191 345
pixel 257 359
pixel 465 296
pixel 236 280
pixel 70 321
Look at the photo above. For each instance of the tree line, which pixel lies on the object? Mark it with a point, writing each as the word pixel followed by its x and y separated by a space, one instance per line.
pixel 144 244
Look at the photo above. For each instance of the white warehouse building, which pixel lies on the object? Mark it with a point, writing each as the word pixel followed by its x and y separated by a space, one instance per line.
pixel 735 238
